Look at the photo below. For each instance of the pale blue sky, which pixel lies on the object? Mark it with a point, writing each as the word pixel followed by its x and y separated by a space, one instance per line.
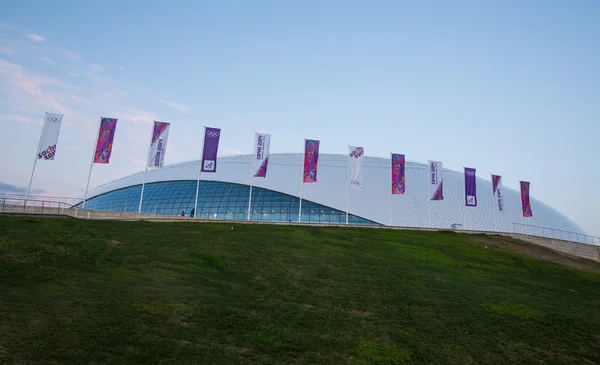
pixel 507 87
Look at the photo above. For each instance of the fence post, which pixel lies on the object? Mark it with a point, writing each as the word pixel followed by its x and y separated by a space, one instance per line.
pixel 3 203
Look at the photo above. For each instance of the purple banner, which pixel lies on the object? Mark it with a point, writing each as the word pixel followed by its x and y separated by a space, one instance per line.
pixel 211 146
pixel 398 178
pixel 525 203
pixel 104 145
pixel 470 187
pixel 311 159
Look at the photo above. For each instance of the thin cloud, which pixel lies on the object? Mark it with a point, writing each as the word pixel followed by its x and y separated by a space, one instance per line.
pixel 177 106
pixel 73 56
pixel 34 96
pixel 230 151
pixel 19 119
pixel 137 116
pixel 48 61
pixel 35 37
pixel 121 68
pixel 80 99
pixel 5 51
pixel 13 189
pixel 96 68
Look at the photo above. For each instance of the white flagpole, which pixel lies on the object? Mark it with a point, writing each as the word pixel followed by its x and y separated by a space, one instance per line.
pixel 252 177
pixel 36 155
pixel 92 163
pixel 301 184
pixel 391 186
pixel 465 197
pixel 250 200
pixel 199 171
pixel 300 208
pixel 146 170
pixel 347 186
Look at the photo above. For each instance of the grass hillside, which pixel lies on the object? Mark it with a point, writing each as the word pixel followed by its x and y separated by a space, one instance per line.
pixel 102 292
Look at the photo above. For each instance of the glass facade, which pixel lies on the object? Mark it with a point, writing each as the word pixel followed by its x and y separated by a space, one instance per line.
pixel 220 201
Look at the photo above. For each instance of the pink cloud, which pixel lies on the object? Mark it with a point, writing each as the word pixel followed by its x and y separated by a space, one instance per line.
pixel 35 37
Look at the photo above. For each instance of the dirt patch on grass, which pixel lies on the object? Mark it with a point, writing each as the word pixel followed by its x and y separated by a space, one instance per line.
pixel 237 349
pixel 13 259
pixel 358 313
pixel 112 242
pixel 538 252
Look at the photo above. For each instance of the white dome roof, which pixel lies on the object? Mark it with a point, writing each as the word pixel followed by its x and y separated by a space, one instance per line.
pixel 372 202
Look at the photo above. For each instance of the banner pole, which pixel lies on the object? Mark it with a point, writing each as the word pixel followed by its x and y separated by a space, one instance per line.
pixel 465 216
pixel 347 200
pixel 92 163
pixel 347 186
pixel 465 197
pixel 249 201
pixel 391 184
pixel 199 171
pixel 300 207
pixel 146 169
pixel 301 182
pixel 36 156
pixel 251 178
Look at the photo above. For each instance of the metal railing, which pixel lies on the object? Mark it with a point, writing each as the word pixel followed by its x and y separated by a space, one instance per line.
pixel 63 199
pixel 17 205
pixel 558 234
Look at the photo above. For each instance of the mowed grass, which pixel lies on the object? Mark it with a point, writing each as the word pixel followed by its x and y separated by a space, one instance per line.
pixel 103 292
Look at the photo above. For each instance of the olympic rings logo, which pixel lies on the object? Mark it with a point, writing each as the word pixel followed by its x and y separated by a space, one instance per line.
pixel 355 183
pixel 53 119
pixel 470 173
pixel 212 134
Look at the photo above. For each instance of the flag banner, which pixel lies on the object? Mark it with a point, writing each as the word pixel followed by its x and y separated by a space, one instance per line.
pixel 158 145
pixel 525 203
pixel 398 178
pixel 261 153
pixel 105 140
pixel 51 129
pixel 497 191
pixel 211 147
pixel 470 187
pixel 355 166
pixel 311 159
pixel 435 180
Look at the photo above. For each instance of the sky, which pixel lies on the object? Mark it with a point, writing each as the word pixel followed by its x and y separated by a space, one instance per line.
pixel 507 87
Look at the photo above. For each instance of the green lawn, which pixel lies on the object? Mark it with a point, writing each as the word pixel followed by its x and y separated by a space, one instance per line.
pixel 103 292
